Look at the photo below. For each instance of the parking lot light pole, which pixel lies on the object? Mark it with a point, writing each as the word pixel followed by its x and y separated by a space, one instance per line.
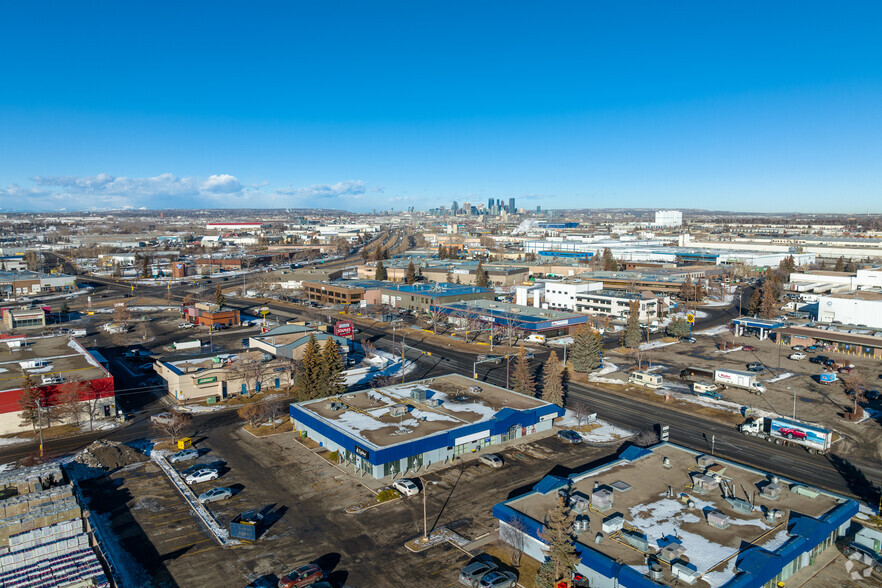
pixel 425 519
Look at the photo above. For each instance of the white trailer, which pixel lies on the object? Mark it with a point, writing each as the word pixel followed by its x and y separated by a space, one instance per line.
pixel 194 344
pixel 789 432
pixel 738 379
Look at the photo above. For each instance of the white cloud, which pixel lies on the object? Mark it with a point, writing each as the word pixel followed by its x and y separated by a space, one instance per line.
pixel 104 191
pixel 222 184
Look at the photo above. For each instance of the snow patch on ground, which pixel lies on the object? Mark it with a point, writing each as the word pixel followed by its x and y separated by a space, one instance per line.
pixel 780 377
pixel 195 408
pixel 728 298
pixel 655 345
pixel 7 467
pixel 605 368
pixel 383 365
pixel 13 440
pixel 714 331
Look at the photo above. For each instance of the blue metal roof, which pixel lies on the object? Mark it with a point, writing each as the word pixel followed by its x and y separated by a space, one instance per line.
pixel 549 483
pixel 633 453
pixel 437 290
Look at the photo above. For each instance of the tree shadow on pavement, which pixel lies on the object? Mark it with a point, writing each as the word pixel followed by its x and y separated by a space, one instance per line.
pixel 856 480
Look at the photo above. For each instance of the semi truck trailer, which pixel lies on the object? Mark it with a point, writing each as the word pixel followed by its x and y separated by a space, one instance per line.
pixel 788 432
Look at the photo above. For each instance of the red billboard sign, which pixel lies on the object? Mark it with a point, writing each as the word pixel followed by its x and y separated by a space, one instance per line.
pixel 344 329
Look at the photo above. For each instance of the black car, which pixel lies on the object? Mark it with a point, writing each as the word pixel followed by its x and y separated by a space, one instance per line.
pixel 819 359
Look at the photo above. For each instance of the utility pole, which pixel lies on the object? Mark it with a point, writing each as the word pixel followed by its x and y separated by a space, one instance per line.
pixel 40 423
pixel 403 338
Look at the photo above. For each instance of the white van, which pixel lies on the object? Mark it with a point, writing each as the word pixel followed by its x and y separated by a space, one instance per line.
pixel 645 379
pixel 536 339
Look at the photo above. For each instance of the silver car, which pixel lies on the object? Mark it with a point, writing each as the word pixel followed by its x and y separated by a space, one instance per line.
pixel 491 459
pixel 472 573
pixel 215 494
pixel 185 455
pixel 499 579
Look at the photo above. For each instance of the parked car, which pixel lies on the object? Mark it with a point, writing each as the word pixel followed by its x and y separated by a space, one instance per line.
pixel 798 356
pixel 183 455
pixel 856 549
pixel 303 576
pixel 185 325
pixel 200 476
pixel 812 347
pixel 499 579
pixel 216 466
pixel 755 366
pixel 490 358
pixel 472 573
pixel 798 348
pixel 163 418
pixel 569 436
pixel 872 394
pixel 491 459
pixel 687 340
pixel 829 362
pixel 846 369
pixel 406 487
pixel 791 433
pixel 819 359
pixel 215 494
pixel 748 348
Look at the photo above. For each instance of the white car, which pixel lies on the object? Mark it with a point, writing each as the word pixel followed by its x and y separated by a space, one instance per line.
pixel 185 325
pixel 491 459
pixel 798 356
pixel 200 476
pixel 406 487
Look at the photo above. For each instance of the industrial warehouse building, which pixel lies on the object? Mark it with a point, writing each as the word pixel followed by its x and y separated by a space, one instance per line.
pixel 672 516
pixel 407 427
pixel 514 316
pixel 56 365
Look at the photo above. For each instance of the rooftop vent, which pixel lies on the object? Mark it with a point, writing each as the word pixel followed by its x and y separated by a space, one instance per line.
pixel 398 410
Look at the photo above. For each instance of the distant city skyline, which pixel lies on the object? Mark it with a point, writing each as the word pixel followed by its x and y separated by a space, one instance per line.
pixel 756 107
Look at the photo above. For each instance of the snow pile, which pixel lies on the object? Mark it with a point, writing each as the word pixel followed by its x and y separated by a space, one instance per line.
pixel 13 440
pixel 383 365
pixel 196 408
pixel 108 455
pixel 605 368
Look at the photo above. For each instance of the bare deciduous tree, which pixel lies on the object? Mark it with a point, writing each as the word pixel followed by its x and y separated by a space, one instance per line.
pixel 122 314
pixel 174 426
pixel 250 372
pixel 514 534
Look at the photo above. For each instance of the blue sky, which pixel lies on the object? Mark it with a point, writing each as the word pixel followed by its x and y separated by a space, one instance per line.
pixel 741 106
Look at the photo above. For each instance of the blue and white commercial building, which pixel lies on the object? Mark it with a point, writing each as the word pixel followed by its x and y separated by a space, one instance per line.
pixel 409 427
pixel 514 316
pixel 668 515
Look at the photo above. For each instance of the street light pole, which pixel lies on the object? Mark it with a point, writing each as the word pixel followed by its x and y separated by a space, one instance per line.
pixel 425 519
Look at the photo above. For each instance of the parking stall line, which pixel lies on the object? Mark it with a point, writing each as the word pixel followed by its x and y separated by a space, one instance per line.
pixel 172 520
pixel 200 551
pixel 176 511
pixel 182 536
pixel 176 547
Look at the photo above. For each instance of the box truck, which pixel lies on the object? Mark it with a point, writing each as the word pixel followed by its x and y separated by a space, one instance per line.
pixel 194 344
pixel 738 379
pixel 789 432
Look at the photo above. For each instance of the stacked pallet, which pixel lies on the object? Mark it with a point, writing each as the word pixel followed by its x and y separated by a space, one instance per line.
pixel 44 540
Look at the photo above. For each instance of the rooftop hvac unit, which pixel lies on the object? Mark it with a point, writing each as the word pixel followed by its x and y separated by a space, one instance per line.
pixel 398 410
pixel 602 499
pixel 433 402
pixel 418 394
pixel 656 573
pixel 671 552
pixel 717 519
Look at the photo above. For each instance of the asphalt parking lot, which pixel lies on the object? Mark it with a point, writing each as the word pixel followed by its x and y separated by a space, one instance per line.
pixel 304 497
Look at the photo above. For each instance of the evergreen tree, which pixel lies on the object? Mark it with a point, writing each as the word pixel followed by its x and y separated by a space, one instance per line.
pixel 545 576
pixel 850 267
pixel 219 298
pixel 552 380
pixel 787 265
pixel 753 307
pixel 332 368
pixel 27 402
pixel 309 373
pixel 557 534
pixel 678 328
pixel 631 336
pixel 840 264
pixel 522 379
pixel 381 272
pixel 449 277
pixel 458 280
pixel 481 279
pixel 587 350
pixel 410 277
pixel 609 262
pixel 145 266
pixel 65 308
pixel 442 253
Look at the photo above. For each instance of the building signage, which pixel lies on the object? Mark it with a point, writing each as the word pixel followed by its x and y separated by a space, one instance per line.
pixel 208 380
pixel 343 329
pixel 361 451
pixel 562 323
pixel 473 437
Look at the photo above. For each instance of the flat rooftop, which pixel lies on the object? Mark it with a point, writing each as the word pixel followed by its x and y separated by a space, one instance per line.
pixel 653 501
pixel 62 356
pixel 516 311
pixel 367 414
pixel 859 295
